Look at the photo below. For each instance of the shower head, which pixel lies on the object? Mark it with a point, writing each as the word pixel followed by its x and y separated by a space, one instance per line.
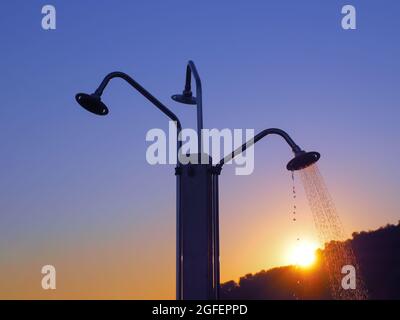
pixel 302 160
pixel 184 98
pixel 92 103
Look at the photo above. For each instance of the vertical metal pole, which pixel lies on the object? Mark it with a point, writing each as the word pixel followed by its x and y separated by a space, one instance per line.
pixel 191 69
pixel 196 214
pixel 199 101
pixel 179 229
pixel 187 213
pixel 178 237
pixel 216 234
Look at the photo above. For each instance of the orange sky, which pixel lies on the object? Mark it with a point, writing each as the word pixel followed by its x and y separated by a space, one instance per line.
pixel 108 262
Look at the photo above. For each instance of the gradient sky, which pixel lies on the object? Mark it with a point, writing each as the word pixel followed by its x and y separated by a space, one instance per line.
pixel 76 190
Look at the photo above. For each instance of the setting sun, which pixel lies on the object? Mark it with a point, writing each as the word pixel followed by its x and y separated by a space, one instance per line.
pixel 303 254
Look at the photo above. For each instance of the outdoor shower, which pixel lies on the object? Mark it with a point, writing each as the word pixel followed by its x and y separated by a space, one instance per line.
pixel 197 232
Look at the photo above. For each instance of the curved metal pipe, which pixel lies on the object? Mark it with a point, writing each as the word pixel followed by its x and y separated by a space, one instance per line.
pixel 259 136
pixel 191 70
pixel 99 91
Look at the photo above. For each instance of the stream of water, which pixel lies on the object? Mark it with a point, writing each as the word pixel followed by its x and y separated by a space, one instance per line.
pixel 331 234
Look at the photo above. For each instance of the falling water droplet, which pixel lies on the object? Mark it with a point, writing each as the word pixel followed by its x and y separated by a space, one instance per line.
pixel 294 196
pixel 294 220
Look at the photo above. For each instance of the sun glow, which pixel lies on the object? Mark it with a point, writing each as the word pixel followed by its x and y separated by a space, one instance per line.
pixel 303 254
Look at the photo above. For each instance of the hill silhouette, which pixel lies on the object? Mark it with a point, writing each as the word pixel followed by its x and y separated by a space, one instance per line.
pixel 378 255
